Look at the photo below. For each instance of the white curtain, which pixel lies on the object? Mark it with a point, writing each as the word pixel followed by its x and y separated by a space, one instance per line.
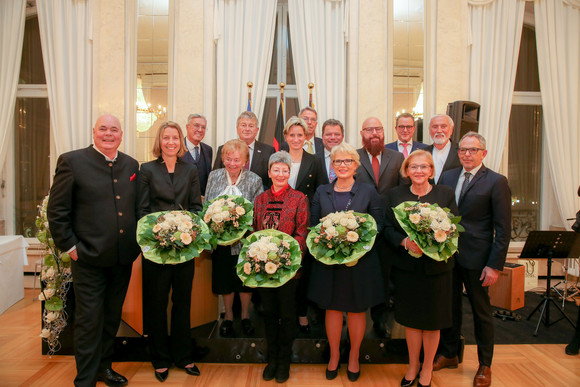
pixel 558 43
pixel 67 47
pixel 318 31
pixel 12 20
pixel 244 37
pixel 496 30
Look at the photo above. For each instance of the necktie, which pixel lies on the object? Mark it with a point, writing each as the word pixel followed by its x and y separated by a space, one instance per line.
pixel 376 168
pixel 196 153
pixel 465 184
pixel 405 152
pixel 331 174
pixel 309 148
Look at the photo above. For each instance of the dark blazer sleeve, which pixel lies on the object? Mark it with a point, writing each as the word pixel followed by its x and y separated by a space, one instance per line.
pixel 218 163
pixel 315 210
pixel 501 210
pixel 144 192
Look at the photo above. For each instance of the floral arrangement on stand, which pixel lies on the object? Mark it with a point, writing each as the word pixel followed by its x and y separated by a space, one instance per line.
pixel 172 237
pixel 434 229
pixel 55 280
pixel 228 218
pixel 342 237
pixel 269 258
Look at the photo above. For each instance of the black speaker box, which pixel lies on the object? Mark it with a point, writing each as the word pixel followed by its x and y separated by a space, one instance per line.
pixel 465 115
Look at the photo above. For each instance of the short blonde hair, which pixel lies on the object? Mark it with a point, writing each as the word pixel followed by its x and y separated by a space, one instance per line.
pixel 413 156
pixel 157 145
pixel 345 148
pixel 294 121
pixel 236 146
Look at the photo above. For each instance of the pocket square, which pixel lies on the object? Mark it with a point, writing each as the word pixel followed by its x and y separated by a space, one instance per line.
pixel 133 177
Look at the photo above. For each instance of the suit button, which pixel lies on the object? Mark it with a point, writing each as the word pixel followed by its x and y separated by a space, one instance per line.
pixel 110 164
pixel 309 175
pixel 118 197
pixel 121 231
pixel 120 213
pixel 114 180
pixel 307 185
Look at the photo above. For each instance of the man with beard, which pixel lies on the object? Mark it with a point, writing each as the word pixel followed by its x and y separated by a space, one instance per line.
pixel 380 167
pixel 444 152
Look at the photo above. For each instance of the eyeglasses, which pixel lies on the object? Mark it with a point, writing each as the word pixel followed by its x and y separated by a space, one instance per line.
pixel 378 129
pixel 198 127
pixel 406 127
pixel 347 162
pixel 309 119
pixel 423 167
pixel 471 151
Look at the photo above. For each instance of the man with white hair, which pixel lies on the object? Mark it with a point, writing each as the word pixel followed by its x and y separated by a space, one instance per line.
pixel 443 150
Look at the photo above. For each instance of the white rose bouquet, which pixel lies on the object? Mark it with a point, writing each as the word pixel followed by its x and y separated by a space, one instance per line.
pixel 342 237
pixel 269 259
pixel 434 229
pixel 228 218
pixel 55 280
pixel 172 237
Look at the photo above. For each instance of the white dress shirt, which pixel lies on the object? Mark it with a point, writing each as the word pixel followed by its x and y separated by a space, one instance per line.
pixel 439 158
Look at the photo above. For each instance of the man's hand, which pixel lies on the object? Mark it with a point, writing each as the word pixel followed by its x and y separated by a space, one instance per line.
pixel 489 276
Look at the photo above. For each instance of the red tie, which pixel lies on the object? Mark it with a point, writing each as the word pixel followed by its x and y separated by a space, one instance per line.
pixel 405 153
pixel 376 168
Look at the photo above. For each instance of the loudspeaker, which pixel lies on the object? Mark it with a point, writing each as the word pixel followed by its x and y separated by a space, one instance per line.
pixel 465 116
pixel 508 292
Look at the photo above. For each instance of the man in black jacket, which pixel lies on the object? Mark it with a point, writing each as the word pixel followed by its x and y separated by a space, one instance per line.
pixel 91 213
pixel 198 153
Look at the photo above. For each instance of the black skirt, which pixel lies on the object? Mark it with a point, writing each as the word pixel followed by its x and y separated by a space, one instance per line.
pixel 224 279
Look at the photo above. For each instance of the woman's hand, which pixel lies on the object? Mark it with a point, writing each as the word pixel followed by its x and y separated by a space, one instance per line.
pixel 412 246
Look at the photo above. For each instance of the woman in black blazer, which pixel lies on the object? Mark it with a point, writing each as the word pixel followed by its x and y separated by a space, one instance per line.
pixel 168 183
pixel 306 175
pixel 339 288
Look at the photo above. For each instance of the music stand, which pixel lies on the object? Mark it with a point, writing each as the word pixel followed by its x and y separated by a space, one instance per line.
pixel 549 245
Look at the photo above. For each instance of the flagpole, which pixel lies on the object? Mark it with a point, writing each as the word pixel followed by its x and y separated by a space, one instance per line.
pixel 282 86
pixel 249 84
pixel 310 87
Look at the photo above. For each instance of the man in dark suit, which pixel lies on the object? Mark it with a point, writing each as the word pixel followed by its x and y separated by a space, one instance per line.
pixel 247 127
pixel 405 127
pixel 332 135
pixel 91 213
pixel 484 202
pixel 444 152
pixel 380 167
pixel 199 154
pixel 312 144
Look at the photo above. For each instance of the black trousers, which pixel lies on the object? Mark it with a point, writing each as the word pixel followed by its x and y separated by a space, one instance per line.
pixel 302 287
pixel 158 280
pixel 280 320
pixel 380 311
pixel 99 296
pixel 482 318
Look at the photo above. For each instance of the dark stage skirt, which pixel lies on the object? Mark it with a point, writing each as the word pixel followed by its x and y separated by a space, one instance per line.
pixel 224 279
pixel 422 301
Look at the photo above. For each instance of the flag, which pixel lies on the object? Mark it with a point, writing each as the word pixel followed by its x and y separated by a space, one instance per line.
pixel 249 108
pixel 279 131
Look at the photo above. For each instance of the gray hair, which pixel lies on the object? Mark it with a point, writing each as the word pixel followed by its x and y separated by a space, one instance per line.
pixel 308 109
pixel 294 121
pixel 247 114
pixel 476 135
pixel 449 119
pixel 195 115
pixel 280 157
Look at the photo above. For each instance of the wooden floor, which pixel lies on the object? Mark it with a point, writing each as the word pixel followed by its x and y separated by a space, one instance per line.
pixel 21 364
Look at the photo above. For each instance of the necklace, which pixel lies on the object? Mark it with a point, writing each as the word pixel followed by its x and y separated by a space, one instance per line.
pixel 429 187
pixel 346 188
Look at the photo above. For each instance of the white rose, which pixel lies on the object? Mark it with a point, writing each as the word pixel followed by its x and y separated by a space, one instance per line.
pixel 351 236
pixel 445 225
pixel 45 333
pixel 270 268
pixel 327 223
pixel 343 221
pixel 262 256
pixel 217 218
pixel 51 316
pixel 352 224
pixel 331 232
pixel 46 294
pixel 435 225
pixel 425 212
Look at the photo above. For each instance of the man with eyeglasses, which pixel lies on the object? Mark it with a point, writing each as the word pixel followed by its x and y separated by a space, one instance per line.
pixel 484 201
pixel 380 167
pixel 405 128
pixel 443 151
pixel 199 154
pixel 312 144
pixel 247 128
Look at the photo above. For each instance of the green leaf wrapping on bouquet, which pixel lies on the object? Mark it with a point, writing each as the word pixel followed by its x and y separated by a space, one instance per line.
pixel 342 251
pixel 423 235
pixel 179 252
pixel 246 266
pixel 226 233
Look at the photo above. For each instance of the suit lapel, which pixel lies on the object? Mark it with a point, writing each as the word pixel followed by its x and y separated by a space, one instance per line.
pixel 478 176
pixel 305 166
pixel 365 162
pixel 257 154
pixel 385 160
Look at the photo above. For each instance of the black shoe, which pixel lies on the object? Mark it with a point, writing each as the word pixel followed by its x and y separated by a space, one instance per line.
pixel 332 374
pixel 247 327
pixel 162 376
pixel 112 378
pixel 282 373
pixel 380 330
pixel 352 376
pixel 407 383
pixel 192 370
pixel 573 348
pixel 270 371
pixel 227 328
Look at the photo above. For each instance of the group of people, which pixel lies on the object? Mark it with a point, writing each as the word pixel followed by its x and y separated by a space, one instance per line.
pixel 99 193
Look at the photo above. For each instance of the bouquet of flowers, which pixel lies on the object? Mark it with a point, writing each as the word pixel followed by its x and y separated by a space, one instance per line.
pixel 55 280
pixel 342 237
pixel 172 237
pixel 228 218
pixel 434 229
pixel 269 259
